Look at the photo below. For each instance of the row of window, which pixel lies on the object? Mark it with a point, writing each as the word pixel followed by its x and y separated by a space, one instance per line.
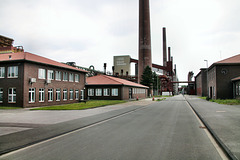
pixel 12 72
pixel 139 91
pixel 58 75
pixel 106 92
pixel 50 93
pixel 11 95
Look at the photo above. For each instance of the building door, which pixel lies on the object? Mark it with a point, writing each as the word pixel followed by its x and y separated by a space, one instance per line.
pixel 130 93
pixel 82 95
pixel 211 92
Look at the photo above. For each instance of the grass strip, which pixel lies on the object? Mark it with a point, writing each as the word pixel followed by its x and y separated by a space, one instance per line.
pixel 81 106
pixel 224 101
pixel 3 107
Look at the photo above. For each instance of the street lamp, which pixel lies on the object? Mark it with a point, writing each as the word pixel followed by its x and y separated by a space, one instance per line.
pixel 207 79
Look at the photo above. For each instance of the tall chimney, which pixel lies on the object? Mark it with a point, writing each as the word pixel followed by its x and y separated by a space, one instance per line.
pixel 105 68
pixel 169 53
pixel 164 49
pixel 144 50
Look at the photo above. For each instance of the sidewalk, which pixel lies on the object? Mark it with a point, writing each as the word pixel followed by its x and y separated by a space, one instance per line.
pixel 223 120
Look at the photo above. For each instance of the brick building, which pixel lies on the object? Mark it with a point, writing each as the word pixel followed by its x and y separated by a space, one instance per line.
pixel 103 87
pixel 219 78
pixel 29 80
pixel 201 82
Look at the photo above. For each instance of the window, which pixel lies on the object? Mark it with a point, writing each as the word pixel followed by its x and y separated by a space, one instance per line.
pixel 12 95
pixel 41 94
pixel 2 72
pixel 50 75
pixel 82 94
pixel 71 94
pixel 13 72
pixel 115 92
pixel 65 76
pixel 238 89
pixel 213 91
pixel 76 77
pixel 76 94
pixel 41 73
pixel 98 92
pixel 50 94
pixel 58 94
pixel 65 94
pixel 106 92
pixel 58 75
pixel 31 95
pixel 90 92
pixel 1 95
pixel 70 77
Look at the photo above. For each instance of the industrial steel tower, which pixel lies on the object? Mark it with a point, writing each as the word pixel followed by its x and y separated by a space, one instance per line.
pixel 144 50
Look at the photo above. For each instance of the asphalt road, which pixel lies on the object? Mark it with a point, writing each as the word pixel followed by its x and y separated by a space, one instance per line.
pixel 159 131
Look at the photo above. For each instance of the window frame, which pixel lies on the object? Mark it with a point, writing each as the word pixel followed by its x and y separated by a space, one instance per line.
pixel 58 94
pixel 76 94
pixel 77 78
pixel 50 94
pixel 71 94
pixel 31 95
pixel 71 77
pixel 12 95
pixel 13 70
pixel 41 94
pixel 41 73
pixel 2 72
pixel 106 92
pixel 90 92
pixel 58 76
pixel 114 93
pixel 65 76
pixel 50 75
pixel 65 94
pixel 98 92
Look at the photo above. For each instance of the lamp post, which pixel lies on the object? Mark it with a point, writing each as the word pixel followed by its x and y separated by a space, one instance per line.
pixel 207 79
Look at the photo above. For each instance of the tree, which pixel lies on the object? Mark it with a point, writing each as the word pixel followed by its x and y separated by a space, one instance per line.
pixel 146 78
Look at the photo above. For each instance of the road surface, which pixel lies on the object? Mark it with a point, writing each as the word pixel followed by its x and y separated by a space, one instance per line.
pixel 166 130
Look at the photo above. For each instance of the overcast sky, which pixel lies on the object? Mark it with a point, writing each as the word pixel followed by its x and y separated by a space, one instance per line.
pixel 91 32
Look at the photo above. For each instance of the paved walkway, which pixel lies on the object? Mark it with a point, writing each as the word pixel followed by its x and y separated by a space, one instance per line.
pixel 223 120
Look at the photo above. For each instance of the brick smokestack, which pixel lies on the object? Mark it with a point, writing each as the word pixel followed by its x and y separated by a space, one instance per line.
pixel 164 49
pixel 169 53
pixel 144 51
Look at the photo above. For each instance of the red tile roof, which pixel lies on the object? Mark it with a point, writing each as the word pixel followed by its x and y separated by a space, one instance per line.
pixel 108 80
pixel 34 58
pixel 234 59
